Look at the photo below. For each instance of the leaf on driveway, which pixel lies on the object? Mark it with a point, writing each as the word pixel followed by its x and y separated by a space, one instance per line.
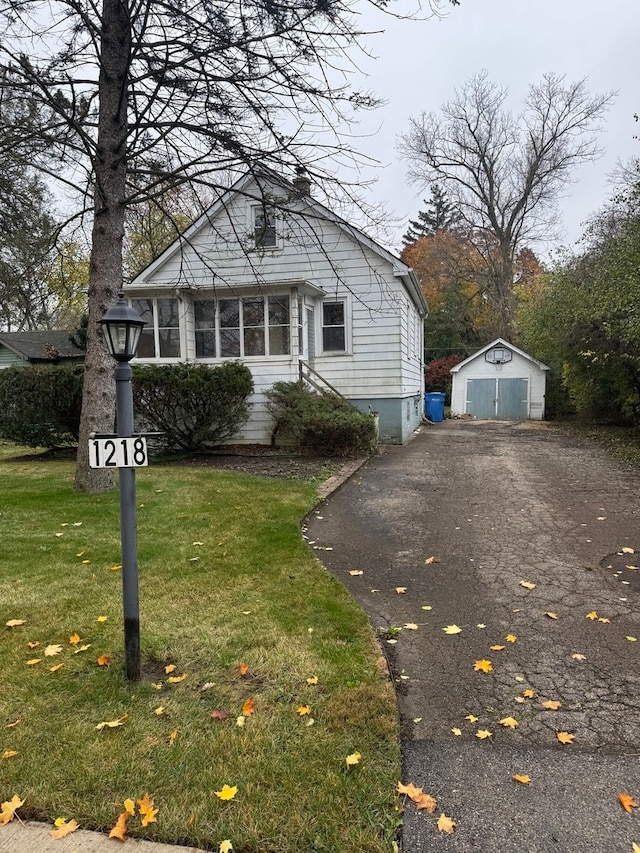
pixel 483 666
pixel 452 629
pixel 565 737
pixel 426 802
pixel 483 734
pixel 509 723
pixel 551 614
pixel 592 615
pixel 401 590
pixel 64 829
pixel 446 824
pixel 522 778
pixel 579 656
pixel 552 704
pixel 527 584
pixel 627 802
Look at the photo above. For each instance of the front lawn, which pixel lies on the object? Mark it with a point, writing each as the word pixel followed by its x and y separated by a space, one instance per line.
pixel 231 599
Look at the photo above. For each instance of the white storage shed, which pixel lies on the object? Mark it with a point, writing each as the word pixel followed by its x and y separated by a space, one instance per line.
pixel 499 382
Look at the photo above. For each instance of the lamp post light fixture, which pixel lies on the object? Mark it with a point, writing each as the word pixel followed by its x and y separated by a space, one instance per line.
pixel 122 326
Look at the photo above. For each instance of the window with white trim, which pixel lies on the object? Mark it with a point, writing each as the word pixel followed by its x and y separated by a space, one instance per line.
pixel 242 327
pixel 160 338
pixel 334 328
pixel 265 233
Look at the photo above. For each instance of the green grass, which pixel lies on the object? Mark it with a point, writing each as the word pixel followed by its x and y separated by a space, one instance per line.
pixel 254 594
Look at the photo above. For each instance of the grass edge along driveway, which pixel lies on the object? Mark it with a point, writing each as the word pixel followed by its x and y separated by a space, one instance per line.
pixel 260 673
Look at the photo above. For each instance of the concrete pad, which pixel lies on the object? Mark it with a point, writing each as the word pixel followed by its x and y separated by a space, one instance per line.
pixel 33 837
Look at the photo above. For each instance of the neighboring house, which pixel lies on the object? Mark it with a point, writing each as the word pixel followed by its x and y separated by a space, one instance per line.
pixel 38 347
pixel 499 382
pixel 273 278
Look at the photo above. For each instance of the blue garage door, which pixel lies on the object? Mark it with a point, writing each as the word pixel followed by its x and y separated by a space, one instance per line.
pixel 501 399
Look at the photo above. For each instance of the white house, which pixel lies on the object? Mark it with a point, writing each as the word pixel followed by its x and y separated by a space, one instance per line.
pixel 273 278
pixel 499 382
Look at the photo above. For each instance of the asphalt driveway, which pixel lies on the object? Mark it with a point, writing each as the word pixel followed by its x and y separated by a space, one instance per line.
pixel 514 534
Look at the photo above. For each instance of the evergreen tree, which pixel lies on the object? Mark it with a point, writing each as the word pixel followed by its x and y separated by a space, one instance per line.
pixel 440 215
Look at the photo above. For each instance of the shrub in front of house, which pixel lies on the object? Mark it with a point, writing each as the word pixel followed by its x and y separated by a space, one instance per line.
pixel 40 405
pixel 319 423
pixel 196 406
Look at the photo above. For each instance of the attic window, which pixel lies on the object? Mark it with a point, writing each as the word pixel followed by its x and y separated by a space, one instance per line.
pixel 264 226
pixel 498 355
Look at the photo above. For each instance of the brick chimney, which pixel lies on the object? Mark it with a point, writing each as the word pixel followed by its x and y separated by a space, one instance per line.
pixel 302 182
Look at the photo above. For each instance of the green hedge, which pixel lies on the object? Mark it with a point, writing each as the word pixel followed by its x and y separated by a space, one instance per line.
pixel 196 407
pixel 320 423
pixel 40 405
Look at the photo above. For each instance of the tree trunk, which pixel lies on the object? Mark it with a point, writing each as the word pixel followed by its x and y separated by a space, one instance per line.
pixel 105 273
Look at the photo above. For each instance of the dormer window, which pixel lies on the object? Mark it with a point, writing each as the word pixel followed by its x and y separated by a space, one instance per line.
pixel 264 226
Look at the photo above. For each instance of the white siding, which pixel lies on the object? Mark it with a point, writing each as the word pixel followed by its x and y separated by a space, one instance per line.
pixel 316 259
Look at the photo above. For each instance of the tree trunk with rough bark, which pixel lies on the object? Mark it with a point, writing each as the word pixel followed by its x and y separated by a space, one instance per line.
pixel 105 274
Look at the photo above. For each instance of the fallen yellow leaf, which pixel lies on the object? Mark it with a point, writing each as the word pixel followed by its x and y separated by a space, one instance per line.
pixel 248 706
pixel 511 638
pixel 303 710
pixel 120 829
pixel 147 810
pixel 552 704
pixel 159 711
pixel 632 639
pixel 74 638
pixel 497 648
pixel 356 572
pixel 579 657
pixel 33 661
pixel 452 629
pixel 170 668
pixel 527 584
pixel 483 734
pixel 81 648
pixel 551 615
pixel 522 778
pixel 9 753
pixel 605 621
pixel 411 626
pixel 411 790
pixel 130 806
pixel 353 759
pixel 225 846
pixel 509 722
pixel 226 792
pixel 446 824
pixel 112 724
pixel 102 618
pixel 483 666
pixel 56 667
pixel 565 737
pixel 64 829
pixel 103 660
pixel 528 693
pixel 426 802
pixel 471 718
pixel 172 737
pixel 401 590
pixel 53 649
pixel 312 680
pixel 9 808
pixel 592 615
pixel 176 679
pixel 457 732
pixel 628 551
pixel 13 623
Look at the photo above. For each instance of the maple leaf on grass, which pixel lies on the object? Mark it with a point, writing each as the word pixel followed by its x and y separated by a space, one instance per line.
pixel 243 667
pixel 353 759
pixel 119 831
pixel 170 668
pixel 9 808
pixel 103 660
pixel 14 623
pixel 248 706
pixel 146 809
pixel 312 680
pixel 74 639
pixel 53 649
pixel 176 679
pixel 483 666
pixel 129 806
pixel 9 753
pixel 112 724
pixel 225 846
pixel 226 792
pixel 627 802
pixel 565 737
pixel 64 829
pixel 303 710
pixel 446 824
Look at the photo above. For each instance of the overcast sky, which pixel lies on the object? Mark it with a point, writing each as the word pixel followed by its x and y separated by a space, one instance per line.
pixel 419 63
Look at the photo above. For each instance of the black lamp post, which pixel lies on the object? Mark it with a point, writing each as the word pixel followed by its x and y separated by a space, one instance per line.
pixel 122 326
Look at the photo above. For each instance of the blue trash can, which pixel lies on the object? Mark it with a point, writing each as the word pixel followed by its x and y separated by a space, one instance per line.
pixel 434 406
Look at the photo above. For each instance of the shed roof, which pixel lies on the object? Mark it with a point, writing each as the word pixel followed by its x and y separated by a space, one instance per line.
pixel 38 345
pixel 504 343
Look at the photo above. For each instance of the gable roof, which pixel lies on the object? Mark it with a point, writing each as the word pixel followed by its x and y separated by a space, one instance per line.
pixel 293 203
pixel 38 345
pixel 504 343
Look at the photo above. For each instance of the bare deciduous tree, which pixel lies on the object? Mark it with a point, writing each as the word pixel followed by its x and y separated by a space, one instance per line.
pixel 504 172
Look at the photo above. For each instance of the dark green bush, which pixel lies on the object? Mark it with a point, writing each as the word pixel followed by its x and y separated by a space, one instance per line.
pixel 40 405
pixel 196 406
pixel 319 423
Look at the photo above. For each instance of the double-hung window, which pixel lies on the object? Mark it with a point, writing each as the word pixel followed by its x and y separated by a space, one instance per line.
pixel 160 338
pixel 205 328
pixel 264 226
pixel 334 328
